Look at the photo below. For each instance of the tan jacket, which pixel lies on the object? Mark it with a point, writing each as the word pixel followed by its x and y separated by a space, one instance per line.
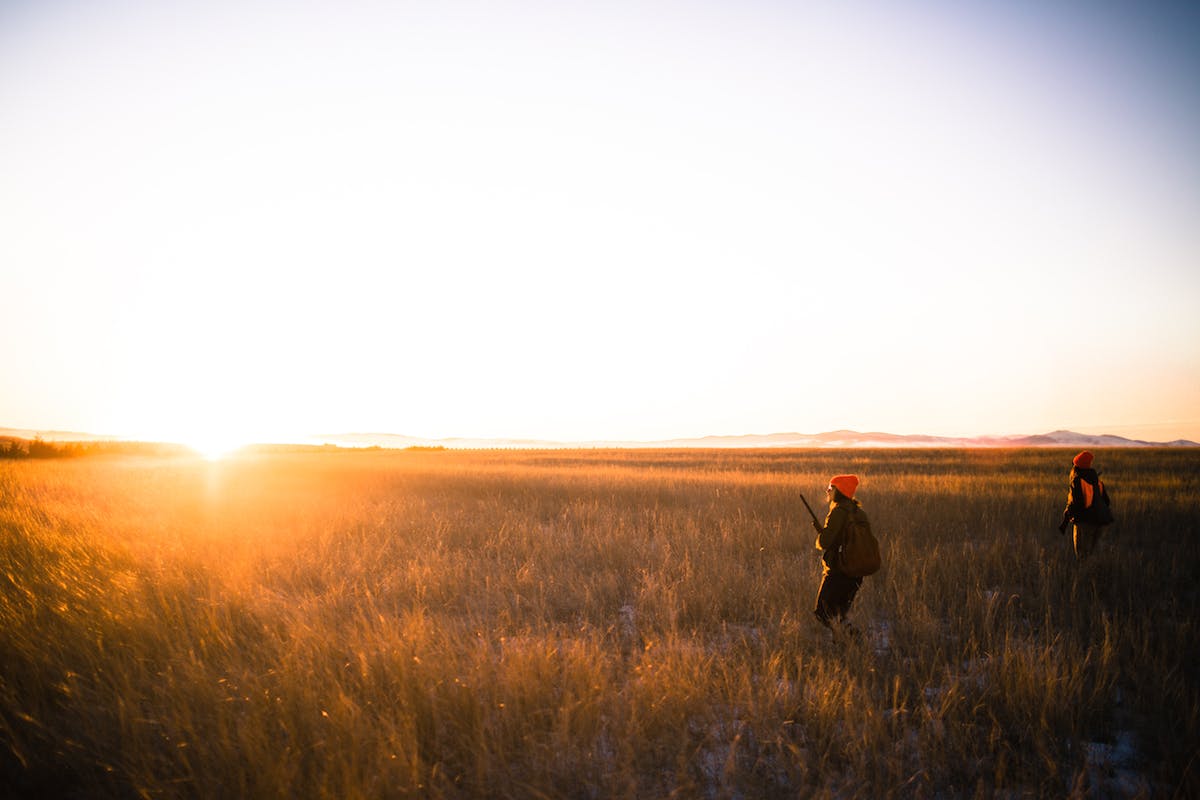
pixel 832 536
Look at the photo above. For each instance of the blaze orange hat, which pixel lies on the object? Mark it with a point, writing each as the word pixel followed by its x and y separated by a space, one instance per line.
pixel 846 484
pixel 1084 459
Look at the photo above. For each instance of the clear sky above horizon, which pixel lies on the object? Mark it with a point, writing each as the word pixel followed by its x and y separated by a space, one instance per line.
pixel 257 220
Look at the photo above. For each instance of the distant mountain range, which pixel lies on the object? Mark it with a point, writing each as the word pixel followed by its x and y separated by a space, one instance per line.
pixel 55 436
pixel 843 438
pixel 832 439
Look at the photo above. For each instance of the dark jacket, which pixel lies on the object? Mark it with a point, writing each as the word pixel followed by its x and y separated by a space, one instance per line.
pixel 833 534
pixel 1077 509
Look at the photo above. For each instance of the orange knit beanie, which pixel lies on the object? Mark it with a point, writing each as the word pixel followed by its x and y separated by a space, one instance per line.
pixel 1083 460
pixel 846 484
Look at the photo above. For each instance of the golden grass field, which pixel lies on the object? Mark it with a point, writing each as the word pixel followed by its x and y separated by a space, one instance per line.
pixel 591 624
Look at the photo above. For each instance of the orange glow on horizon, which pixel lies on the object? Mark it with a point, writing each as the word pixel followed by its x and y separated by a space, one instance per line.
pixel 214 448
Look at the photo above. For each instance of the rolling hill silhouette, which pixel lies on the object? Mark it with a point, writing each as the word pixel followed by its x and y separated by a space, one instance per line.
pixel 829 439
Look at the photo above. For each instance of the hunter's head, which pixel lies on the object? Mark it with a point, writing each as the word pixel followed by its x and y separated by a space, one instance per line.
pixel 842 487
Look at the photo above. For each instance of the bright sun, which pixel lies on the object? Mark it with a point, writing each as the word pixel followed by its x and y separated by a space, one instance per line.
pixel 215 446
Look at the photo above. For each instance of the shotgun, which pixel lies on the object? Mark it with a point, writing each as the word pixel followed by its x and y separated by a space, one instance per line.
pixel 810 511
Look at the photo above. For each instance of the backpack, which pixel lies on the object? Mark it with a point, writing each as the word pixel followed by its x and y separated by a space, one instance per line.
pixel 1095 507
pixel 859 554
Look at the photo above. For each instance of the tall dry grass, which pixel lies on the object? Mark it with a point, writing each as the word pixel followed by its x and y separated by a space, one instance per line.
pixel 590 624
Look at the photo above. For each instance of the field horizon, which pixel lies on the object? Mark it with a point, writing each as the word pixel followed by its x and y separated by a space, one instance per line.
pixel 589 624
pixel 833 439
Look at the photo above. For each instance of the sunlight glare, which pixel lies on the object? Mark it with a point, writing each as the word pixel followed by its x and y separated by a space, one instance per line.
pixel 215 446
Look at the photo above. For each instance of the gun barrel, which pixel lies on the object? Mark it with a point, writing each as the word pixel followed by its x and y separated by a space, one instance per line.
pixel 810 511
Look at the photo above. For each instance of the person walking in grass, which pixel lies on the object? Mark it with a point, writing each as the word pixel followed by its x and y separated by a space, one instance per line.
pixel 1088 507
pixel 837 588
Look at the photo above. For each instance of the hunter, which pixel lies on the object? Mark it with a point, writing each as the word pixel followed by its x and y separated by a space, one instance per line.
pixel 837 588
pixel 1087 505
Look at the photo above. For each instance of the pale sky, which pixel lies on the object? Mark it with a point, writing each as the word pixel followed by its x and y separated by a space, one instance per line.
pixel 606 220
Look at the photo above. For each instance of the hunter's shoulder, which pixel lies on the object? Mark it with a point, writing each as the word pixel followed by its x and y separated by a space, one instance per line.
pixel 845 509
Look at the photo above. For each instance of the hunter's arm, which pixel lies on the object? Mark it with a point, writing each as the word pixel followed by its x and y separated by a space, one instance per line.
pixel 1074 499
pixel 829 537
